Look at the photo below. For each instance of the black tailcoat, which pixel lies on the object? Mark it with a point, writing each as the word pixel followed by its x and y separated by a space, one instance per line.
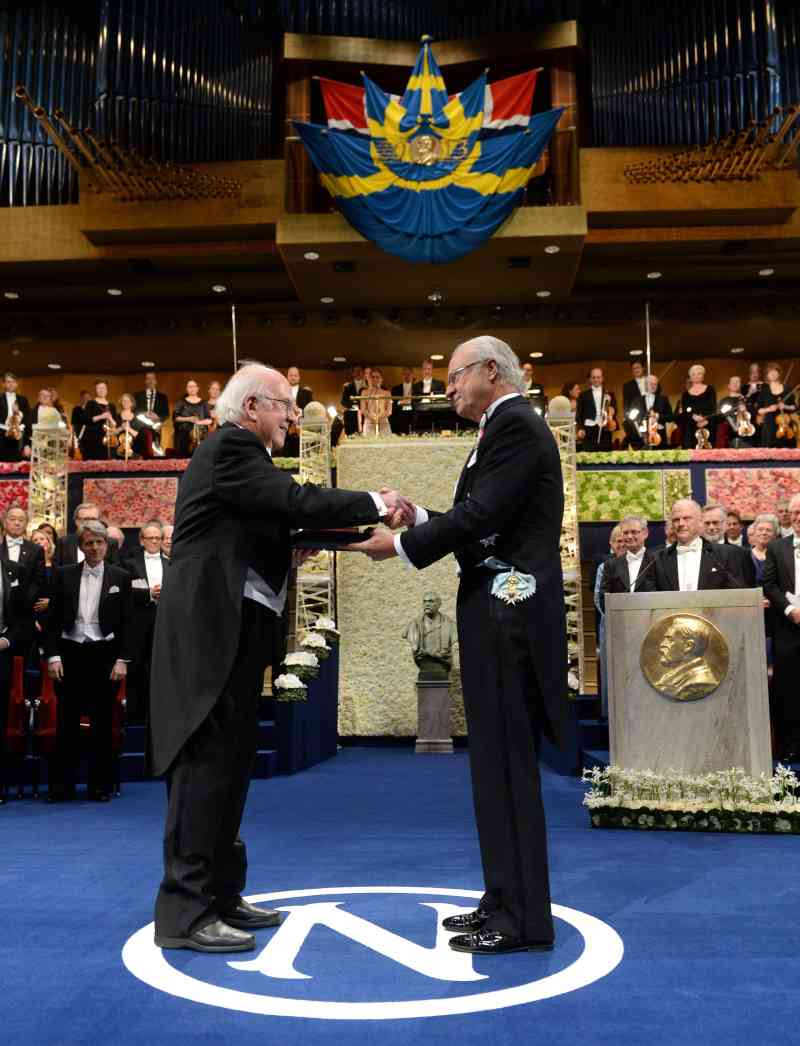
pixel 31 565
pixel 235 510
pixel 779 578
pixel 115 612
pixel 717 569
pixel 508 505
pixel 616 575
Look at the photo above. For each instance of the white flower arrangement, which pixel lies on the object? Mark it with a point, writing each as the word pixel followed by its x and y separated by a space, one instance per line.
pixel 326 627
pixel 289 687
pixel 723 801
pixel 303 664
pixel 316 644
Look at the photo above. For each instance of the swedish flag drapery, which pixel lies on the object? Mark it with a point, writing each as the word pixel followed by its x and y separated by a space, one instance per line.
pixel 422 182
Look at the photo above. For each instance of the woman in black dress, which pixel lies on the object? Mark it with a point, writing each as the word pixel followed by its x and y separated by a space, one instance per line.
pixel 98 411
pixel 190 411
pixel 128 422
pixel 772 399
pixel 698 403
pixel 43 537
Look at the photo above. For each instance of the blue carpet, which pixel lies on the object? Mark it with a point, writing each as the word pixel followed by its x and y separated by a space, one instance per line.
pixel 708 922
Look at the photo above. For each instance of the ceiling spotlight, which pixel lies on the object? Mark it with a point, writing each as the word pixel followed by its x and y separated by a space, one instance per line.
pixel 11 295
pixel 147 363
pixel 327 300
pixel 636 352
pixel 552 248
pixel 543 294
pixel 340 359
pixel 311 256
pixel 54 366
pixel 738 350
pixel 437 356
pixel 654 275
pixel 766 272
pixel 219 288
pixel 536 355
pixel 115 292
pixel 436 297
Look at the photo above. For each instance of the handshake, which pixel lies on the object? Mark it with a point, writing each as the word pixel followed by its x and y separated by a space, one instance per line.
pixel 401 513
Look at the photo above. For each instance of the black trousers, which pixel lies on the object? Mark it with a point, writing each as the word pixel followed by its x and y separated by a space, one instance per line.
pixel 205 861
pixel 10 449
pixel 86 689
pixel 138 690
pixel 503 708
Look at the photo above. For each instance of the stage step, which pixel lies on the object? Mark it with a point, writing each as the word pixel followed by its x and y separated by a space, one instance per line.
pixel 593 733
pixel 596 757
pixel 135 736
pixel 132 765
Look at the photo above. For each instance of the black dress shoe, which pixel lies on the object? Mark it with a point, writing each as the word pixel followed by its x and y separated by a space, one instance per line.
pixel 247 917
pixel 491 942
pixel 468 921
pixel 216 936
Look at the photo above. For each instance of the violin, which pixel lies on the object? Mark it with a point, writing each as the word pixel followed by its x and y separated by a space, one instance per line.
pixel 701 437
pixel 653 435
pixel 125 441
pixel 14 427
pixel 744 423
pixel 607 419
pixel 110 438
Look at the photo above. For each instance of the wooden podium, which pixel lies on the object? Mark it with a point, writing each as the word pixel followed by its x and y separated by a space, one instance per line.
pixel 687 681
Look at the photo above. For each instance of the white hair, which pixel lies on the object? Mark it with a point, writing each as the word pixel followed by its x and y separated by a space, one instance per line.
pixel 488 348
pixel 247 382
pixel 767 517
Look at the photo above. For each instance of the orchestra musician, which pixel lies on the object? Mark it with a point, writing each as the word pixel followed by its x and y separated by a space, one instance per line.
pixel 375 407
pixel 403 410
pixel 351 389
pixel 647 416
pixel 15 436
pixel 595 415
pixel 734 430
pixel 777 410
pixel 698 404
pixel 154 408
pixel 534 391
pixel 131 428
pixel 101 421
pixel 191 419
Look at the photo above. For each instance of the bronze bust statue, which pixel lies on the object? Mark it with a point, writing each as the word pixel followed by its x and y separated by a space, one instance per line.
pixel 432 637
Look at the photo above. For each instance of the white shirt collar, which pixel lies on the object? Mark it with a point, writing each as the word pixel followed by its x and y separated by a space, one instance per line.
pixel 501 399
pixel 636 555
pixel 152 555
pixel 93 571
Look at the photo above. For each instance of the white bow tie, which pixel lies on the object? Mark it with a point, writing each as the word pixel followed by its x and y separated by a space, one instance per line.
pixel 94 571
pixel 695 546
pixel 13 541
pixel 635 555
pixel 152 555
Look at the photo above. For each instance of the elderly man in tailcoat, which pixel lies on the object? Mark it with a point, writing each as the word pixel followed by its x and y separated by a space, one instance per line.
pixel 219 606
pixel 504 530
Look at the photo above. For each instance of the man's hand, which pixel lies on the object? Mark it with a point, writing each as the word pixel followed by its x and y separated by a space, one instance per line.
pixel 402 512
pixel 5 643
pixel 41 605
pixel 55 670
pixel 794 615
pixel 379 546
pixel 119 671
pixel 26 452
pixel 155 592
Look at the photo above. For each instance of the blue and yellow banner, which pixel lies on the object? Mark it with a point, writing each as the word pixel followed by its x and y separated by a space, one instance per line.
pixel 423 183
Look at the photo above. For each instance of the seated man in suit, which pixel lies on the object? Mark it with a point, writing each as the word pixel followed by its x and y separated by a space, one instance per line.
pixel 146 566
pixel 693 564
pixel 16 635
pixel 68 550
pixel 631 572
pixel 651 406
pixel 16 548
pixel 714 521
pixel 87 645
pixel 403 412
pixel 782 589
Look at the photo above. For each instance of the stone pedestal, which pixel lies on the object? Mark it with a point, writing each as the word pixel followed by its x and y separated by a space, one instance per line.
pixel 433 716
pixel 653 730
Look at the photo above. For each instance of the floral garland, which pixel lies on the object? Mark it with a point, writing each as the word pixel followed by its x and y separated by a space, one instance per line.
pixel 302 664
pixel 723 801
pixel 315 644
pixel 289 687
pixel 628 457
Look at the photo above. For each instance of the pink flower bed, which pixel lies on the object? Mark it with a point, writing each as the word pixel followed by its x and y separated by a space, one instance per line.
pixel 751 491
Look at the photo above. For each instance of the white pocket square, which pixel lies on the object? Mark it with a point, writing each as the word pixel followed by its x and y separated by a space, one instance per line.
pixel 140 582
pixel 14 584
pixel 113 589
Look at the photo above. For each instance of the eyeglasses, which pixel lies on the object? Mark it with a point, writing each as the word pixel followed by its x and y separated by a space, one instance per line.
pixel 454 375
pixel 288 405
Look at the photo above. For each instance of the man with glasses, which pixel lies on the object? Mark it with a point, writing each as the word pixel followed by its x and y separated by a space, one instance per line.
pixel 219 608
pixel 504 530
